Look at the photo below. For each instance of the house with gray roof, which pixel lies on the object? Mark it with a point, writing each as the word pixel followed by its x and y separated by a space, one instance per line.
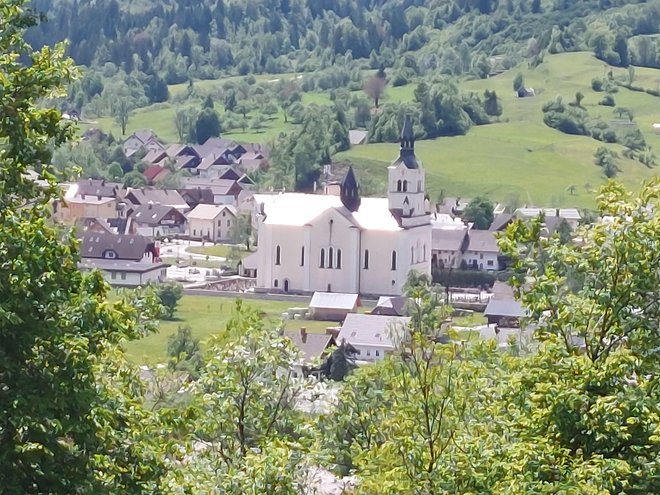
pixel 390 306
pixel 505 312
pixel 143 140
pixel 157 220
pixel 145 196
pixel 214 223
pixel 122 247
pixel 482 251
pixel 373 336
pixel 313 348
pixel 120 273
pixel 332 306
pixel 448 246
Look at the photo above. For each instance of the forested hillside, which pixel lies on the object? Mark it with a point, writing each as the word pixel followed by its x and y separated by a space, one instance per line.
pixel 208 38
pixel 252 71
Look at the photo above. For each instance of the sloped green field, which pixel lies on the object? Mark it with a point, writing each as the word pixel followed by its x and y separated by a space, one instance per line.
pixel 521 160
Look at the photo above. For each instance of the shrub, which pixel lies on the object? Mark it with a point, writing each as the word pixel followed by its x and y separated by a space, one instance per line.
pixel 463 278
pixel 608 101
pixel 597 84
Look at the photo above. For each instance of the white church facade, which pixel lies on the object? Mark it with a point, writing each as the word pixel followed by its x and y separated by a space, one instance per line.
pixel 345 243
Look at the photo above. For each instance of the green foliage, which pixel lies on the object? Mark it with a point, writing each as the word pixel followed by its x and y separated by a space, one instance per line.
pixel 207 125
pixel 242 411
pixel 463 278
pixel 518 82
pixel 565 118
pixel 184 352
pixel 296 158
pixel 480 211
pixel 71 409
pixel 169 295
pixel 606 159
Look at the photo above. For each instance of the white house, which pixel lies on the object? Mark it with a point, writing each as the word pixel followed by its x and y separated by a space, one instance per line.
pixel 571 215
pixel 373 336
pixel 212 222
pixel 122 273
pixel 346 243
pixel 482 251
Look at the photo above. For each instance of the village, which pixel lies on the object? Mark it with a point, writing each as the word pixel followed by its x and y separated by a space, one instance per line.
pixel 339 259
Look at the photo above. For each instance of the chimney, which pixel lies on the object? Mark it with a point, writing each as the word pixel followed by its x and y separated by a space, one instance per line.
pixel 99 197
pixel 303 335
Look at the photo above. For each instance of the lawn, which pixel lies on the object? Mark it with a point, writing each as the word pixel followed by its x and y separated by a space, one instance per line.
pixel 521 160
pixel 160 117
pixel 208 315
pixel 222 250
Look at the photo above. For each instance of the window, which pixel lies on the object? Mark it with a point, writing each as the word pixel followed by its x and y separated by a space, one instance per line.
pixel 424 258
pixel 481 256
pixel 339 259
pixel 377 353
pixel 219 223
pixel 366 259
pixel 330 257
pixel 123 275
pixel 412 255
pixel 398 186
pixel 194 231
pixel 113 275
pixel 393 260
pixel 278 256
pixel 368 353
pixel 405 186
pixel 276 283
pixel 322 260
pixel 490 263
pixel 228 223
pixel 302 256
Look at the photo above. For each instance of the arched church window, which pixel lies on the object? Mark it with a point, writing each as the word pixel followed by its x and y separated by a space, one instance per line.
pixel 405 186
pixel 330 257
pixel 322 259
pixel 339 259
pixel 278 255
pixel 302 256
pixel 393 260
pixel 398 186
pixel 366 259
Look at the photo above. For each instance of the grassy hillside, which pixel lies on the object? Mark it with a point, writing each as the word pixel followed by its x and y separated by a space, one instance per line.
pixel 517 160
pixel 520 159
pixel 160 117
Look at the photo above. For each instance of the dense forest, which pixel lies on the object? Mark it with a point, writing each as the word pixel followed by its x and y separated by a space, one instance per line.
pixel 175 41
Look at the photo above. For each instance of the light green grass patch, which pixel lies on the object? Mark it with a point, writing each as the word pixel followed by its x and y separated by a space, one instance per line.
pixel 207 316
pixel 222 250
pixel 521 160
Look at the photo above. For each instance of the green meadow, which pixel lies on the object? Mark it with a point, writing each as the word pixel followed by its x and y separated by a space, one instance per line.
pixel 517 160
pixel 520 160
pixel 207 316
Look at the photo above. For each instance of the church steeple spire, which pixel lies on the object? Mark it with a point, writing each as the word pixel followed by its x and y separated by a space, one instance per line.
pixel 407 151
pixel 350 191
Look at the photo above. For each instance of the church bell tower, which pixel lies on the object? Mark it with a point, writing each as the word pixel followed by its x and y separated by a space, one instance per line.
pixel 406 182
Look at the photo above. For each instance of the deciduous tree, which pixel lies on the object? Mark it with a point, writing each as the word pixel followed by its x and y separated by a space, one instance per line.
pixel 71 416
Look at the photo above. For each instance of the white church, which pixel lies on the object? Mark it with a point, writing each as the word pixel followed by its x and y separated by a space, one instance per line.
pixel 346 243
